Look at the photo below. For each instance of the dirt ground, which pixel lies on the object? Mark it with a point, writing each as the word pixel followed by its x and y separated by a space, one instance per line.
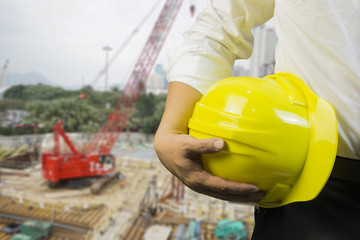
pixel 122 202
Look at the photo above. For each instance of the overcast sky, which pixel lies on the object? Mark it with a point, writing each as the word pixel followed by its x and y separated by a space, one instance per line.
pixel 63 40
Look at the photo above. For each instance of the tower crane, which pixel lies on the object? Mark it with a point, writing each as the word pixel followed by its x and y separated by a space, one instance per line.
pixel 95 158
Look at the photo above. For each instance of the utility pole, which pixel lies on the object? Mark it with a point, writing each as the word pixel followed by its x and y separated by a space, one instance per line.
pixel 107 49
pixel 4 70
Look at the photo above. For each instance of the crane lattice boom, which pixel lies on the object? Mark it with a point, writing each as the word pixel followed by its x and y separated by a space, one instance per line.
pixel 110 131
pixel 96 159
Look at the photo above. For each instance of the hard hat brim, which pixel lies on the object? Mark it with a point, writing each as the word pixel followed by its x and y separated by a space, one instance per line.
pixel 322 149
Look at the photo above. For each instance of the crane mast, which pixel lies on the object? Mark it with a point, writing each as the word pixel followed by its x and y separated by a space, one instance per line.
pixel 105 139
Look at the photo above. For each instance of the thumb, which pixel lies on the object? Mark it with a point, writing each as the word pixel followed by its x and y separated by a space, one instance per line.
pixel 208 145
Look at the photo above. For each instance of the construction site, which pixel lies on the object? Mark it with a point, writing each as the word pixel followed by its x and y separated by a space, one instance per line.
pixel 146 202
pixel 108 185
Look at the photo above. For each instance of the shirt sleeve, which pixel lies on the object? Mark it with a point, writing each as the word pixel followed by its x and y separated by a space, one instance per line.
pixel 221 34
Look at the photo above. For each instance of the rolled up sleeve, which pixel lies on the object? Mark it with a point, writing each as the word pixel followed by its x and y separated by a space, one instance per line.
pixel 221 34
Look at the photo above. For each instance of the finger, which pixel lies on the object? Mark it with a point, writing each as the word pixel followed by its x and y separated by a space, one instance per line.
pixel 227 190
pixel 244 198
pixel 202 181
pixel 201 146
pixel 223 186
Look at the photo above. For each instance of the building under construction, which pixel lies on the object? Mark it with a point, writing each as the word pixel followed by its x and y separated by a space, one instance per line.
pixel 146 202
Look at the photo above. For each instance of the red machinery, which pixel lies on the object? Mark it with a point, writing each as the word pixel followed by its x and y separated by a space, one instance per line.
pixel 57 166
pixel 95 159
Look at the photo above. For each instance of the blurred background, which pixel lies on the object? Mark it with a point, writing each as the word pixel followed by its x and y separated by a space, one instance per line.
pixel 84 83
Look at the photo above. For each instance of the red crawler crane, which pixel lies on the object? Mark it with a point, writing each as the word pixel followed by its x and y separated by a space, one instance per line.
pixel 96 159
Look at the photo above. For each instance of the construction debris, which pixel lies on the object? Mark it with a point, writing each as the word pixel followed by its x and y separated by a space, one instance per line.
pixel 19 158
pixel 20 161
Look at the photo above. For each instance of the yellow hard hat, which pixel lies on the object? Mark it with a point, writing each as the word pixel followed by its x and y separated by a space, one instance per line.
pixel 279 135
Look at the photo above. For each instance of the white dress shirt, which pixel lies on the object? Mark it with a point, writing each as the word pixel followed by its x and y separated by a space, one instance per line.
pixel 318 41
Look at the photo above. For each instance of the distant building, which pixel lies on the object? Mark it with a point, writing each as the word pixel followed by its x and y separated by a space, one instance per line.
pixel 262 60
pixel 157 83
pixel 239 70
pixel 159 69
pixel 11 117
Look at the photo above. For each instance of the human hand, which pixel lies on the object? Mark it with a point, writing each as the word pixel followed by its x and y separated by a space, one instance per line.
pixel 181 155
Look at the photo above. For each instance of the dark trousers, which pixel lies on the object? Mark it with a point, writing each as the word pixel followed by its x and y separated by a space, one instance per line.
pixel 334 214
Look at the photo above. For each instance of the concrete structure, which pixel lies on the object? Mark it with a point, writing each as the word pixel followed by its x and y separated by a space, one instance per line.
pixel 262 61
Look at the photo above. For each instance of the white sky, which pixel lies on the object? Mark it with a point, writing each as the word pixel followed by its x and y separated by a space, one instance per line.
pixel 63 40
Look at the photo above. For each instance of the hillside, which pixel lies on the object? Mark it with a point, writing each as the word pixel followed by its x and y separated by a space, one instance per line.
pixel 14 78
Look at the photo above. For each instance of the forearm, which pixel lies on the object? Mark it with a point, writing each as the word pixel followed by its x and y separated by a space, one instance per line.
pixel 180 103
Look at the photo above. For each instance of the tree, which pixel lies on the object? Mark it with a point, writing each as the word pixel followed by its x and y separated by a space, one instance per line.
pixel 15 92
pixel 48 104
pixel 9 104
pixel 94 98
pixel 76 116
pixel 147 113
pixel 46 92
pixel 43 92
pixel 115 88
pixel 145 106
pixel 151 123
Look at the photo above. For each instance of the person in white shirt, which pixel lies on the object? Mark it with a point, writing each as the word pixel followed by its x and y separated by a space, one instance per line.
pixel 318 41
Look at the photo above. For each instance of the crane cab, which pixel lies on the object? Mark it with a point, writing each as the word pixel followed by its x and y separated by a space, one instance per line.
pixel 104 162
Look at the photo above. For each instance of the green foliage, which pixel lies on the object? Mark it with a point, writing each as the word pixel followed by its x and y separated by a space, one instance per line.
pixel 115 89
pixel 47 104
pixel 35 92
pixel 8 104
pixel 8 131
pixel 145 106
pixel 15 92
pixel 94 98
pixel 43 92
pixel 5 131
pixel 75 114
pixel 147 113
pixel 151 123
